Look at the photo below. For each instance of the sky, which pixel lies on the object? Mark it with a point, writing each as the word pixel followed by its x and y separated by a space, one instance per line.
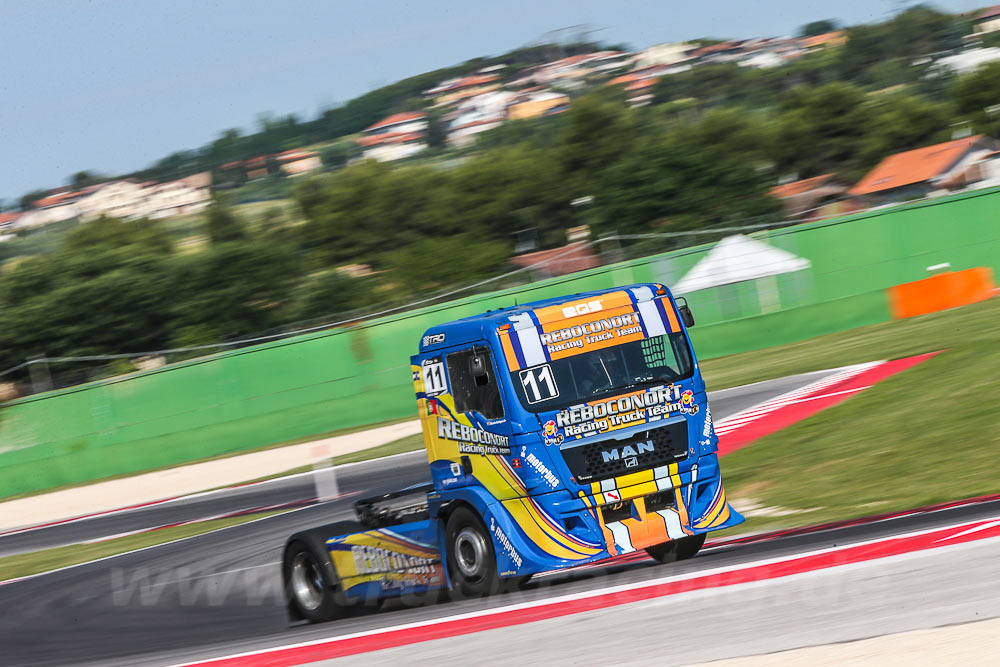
pixel 114 85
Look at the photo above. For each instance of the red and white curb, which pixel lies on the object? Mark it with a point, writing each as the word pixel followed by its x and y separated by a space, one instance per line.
pixel 802 393
pixel 782 411
pixel 601 599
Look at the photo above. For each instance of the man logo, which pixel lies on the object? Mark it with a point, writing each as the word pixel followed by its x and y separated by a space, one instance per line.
pixel 627 451
pixel 631 462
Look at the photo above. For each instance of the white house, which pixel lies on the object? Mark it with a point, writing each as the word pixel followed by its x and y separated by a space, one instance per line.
pixel 162 200
pixel 968 61
pixel 54 208
pixel 296 162
pixel 478 114
pixel 129 199
pixel 398 136
pixel 115 199
pixel 987 20
pixel 665 54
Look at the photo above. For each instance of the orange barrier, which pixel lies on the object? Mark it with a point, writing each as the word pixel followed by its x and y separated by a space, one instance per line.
pixel 940 292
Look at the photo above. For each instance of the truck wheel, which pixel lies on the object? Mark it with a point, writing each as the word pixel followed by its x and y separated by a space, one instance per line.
pixel 675 550
pixel 472 563
pixel 310 584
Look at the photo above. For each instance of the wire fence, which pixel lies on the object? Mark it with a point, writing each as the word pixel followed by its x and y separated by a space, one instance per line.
pixel 44 373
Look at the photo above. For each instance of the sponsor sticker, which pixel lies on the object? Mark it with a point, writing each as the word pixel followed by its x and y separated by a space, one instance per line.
pixel 602 416
pixel 432 339
pixel 473 440
pixel 505 543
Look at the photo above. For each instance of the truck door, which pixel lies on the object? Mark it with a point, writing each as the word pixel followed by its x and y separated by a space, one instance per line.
pixel 465 424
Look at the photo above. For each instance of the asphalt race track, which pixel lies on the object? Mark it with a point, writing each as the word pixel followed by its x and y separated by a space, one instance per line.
pixel 220 593
pixel 354 479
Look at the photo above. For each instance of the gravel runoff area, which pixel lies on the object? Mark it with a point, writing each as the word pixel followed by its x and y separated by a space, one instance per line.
pixel 194 478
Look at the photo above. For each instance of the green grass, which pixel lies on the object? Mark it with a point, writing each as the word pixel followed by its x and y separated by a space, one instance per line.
pixel 35 562
pixel 927 435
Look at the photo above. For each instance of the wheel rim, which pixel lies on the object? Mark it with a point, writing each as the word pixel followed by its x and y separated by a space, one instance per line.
pixel 307 581
pixel 470 554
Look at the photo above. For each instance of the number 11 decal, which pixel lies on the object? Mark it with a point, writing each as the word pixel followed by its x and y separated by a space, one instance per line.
pixel 539 383
pixel 433 370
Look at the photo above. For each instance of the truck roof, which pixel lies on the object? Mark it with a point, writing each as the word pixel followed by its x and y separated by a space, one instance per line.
pixel 484 325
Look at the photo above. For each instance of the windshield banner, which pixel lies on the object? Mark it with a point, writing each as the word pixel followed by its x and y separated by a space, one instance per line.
pixel 568 329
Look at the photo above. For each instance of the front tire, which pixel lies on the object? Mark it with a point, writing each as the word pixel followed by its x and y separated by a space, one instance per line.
pixel 310 584
pixel 472 562
pixel 675 550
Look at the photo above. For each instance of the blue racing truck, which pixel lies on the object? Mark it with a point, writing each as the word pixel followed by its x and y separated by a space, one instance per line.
pixel 560 432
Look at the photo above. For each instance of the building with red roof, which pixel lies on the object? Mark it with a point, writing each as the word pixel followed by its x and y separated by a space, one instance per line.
pixel 8 221
pixel 395 137
pixel 826 40
pixel 578 256
pixel 921 172
pixel 987 21
pixel 810 198
pixel 297 161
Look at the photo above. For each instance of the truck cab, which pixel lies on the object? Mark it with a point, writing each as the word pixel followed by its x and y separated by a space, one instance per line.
pixel 558 433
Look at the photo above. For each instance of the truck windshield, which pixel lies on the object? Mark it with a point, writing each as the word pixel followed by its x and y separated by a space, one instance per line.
pixel 601 373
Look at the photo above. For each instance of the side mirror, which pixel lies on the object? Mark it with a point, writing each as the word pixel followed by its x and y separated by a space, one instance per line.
pixel 685 310
pixel 477 365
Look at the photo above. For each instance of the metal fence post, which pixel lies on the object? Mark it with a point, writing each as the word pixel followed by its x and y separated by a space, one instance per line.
pixel 41 379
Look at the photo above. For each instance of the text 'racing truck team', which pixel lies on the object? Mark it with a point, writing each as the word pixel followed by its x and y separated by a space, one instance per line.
pixel 559 433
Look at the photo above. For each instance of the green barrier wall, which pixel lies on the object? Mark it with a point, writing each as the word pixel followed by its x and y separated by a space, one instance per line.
pixel 788 326
pixel 314 384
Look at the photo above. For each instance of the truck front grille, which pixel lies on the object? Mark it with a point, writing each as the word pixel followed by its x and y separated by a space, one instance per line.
pixel 609 457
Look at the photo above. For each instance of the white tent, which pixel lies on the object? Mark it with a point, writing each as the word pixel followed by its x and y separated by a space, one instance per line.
pixel 737 259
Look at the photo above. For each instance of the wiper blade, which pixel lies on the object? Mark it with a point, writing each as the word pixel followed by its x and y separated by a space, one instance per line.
pixel 626 387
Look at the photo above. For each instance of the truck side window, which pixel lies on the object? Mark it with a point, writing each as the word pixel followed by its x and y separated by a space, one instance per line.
pixel 473 383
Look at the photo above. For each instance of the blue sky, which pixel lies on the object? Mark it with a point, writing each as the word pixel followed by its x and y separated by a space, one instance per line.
pixel 113 85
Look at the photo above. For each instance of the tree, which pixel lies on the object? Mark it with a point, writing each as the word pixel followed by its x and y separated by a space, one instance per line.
pixel 85 178
pixel 106 233
pixel 880 55
pixel 329 294
pixel 903 122
pixel 672 183
pixel 977 97
pixel 821 129
pixel 339 154
pixel 818 28
pixel 222 224
pixel 595 134
pixel 30 198
pixel 240 288
pixel 437 132
pixel 433 264
pixel 105 289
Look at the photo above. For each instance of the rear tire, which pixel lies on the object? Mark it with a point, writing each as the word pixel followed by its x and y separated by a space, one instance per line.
pixel 675 550
pixel 311 584
pixel 472 562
